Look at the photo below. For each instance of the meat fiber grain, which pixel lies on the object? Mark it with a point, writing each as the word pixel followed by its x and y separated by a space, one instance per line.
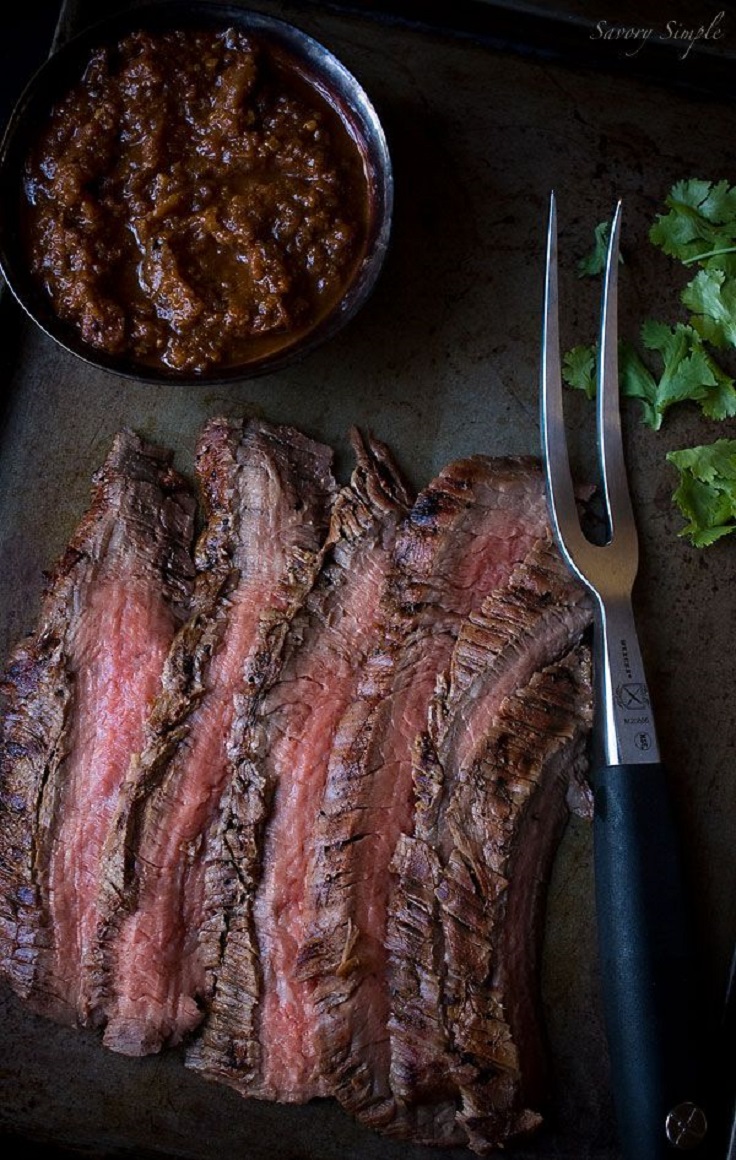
pixel 268 492
pixel 325 866
pixel 450 931
pixel 260 1030
pixel 459 543
pixel 518 630
pixel 74 700
pixel 493 893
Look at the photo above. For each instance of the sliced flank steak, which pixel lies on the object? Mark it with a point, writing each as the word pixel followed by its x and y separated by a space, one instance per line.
pixel 268 493
pixel 293 802
pixel 75 696
pixel 501 756
pixel 493 896
pixel 460 542
pixel 260 1027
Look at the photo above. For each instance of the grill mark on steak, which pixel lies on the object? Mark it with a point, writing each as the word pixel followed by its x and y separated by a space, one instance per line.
pixel 259 1033
pixel 506 817
pixel 480 904
pixel 520 629
pixel 333 840
pixel 268 492
pixel 460 542
pixel 74 699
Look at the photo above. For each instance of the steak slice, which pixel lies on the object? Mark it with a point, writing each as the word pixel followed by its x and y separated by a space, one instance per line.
pixel 521 628
pixel 268 492
pixel 260 1027
pixel 506 818
pixel 530 624
pixel 460 542
pixel 74 700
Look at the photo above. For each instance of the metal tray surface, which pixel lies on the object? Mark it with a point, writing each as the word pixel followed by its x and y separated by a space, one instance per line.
pixel 442 362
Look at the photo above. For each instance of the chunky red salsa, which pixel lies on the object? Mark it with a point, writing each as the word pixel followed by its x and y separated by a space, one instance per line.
pixel 194 201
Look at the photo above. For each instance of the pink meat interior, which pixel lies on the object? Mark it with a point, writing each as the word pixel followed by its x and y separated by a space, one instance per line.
pixel 159 972
pixel 117 656
pixel 314 699
pixel 464 578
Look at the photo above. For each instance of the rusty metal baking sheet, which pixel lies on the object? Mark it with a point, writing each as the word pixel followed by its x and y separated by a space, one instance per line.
pixel 442 362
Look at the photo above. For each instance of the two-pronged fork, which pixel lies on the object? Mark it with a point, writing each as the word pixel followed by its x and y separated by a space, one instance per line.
pixel 646 950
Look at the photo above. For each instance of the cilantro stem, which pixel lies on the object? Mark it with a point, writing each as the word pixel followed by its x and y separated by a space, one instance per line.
pixel 708 254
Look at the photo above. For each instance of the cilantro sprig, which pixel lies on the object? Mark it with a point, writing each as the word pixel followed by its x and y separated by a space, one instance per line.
pixel 700 225
pixel 706 493
pixel 711 296
pixel 682 362
pixel 701 228
pixel 595 262
pixel 687 373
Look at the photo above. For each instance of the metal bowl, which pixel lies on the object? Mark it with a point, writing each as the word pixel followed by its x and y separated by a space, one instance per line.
pixel 313 61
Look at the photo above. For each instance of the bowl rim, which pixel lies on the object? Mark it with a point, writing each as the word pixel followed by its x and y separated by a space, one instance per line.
pixel 323 69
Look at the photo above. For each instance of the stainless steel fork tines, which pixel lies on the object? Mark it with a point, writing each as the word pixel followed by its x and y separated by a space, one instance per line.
pixel 625 728
pixel 645 935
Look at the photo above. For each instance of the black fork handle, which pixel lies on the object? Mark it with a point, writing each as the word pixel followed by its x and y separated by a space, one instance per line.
pixel 651 992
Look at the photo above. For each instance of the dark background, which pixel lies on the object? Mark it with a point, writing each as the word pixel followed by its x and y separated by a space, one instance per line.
pixel 28 29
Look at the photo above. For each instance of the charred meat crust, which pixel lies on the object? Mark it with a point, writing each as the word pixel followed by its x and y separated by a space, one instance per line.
pixel 138 527
pixel 267 492
pixel 325 858
pixel 323 657
pixel 457 545
pixel 518 630
pixel 505 819
pixel 464 926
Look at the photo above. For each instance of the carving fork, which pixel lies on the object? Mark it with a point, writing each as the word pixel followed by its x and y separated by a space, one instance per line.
pixel 645 945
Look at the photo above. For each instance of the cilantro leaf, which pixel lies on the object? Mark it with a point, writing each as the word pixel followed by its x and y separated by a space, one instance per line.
pixel 595 262
pixel 638 382
pixel 689 373
pixel 700 225
pixel 578 369
pixel 712 298
pixel 706 493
